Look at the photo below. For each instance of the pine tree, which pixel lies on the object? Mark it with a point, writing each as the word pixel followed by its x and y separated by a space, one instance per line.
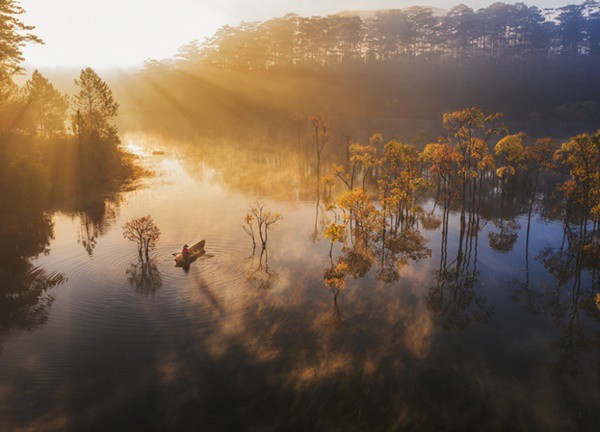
pixel 14 34
pixel 46 106
pixel 96 105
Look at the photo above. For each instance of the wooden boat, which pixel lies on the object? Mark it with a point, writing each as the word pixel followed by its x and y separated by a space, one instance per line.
pixel 158 153
pixel 196 252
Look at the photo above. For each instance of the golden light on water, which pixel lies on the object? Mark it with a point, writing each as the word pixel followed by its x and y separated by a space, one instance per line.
pixel 364 255
pixel 135 149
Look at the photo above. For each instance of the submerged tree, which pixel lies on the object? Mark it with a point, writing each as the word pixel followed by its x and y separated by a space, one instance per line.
pixel 360 214
pixel 262 219
pixel 510 155
pixel 335 279
pixel 468 132
pixel 581 156
pixel 257 223
pixel 538 156
pixel 322 136
pixel 401 183
pixel 439 159
pixel 362 160
pixel 335 232
pixel 509 152
pixel 365 159
pixel 144 232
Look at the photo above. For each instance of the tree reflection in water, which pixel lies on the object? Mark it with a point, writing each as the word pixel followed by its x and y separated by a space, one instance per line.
pixel 570 300
pixel 25 290
pixel 397 250
pixel 335 279
pixel 454 299
pixel 259 271
pixel 95 220
pixel 366 239
pixel 271 349
pixel 144 277
pixel 504 240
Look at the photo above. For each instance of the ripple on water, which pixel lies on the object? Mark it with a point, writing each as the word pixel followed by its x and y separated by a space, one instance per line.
pixel 97 309
pixel 99 285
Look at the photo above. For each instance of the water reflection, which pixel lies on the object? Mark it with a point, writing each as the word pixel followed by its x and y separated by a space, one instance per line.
pixel 504 238
pixel 359 333
pixel 144 276
pixel 25 290
pixel 454 299
pixel 397 250
pixel 259 273
pixel 96 218
pixel 567 299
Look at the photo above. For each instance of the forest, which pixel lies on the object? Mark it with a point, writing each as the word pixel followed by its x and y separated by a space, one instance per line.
pixel 537 66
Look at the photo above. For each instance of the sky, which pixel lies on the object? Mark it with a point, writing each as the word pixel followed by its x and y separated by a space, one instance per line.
pixel 124 33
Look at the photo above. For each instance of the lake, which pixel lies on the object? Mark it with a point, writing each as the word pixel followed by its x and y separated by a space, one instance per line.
pixel 483 328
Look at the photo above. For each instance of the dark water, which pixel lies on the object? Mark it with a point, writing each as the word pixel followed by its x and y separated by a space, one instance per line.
pixel 479 330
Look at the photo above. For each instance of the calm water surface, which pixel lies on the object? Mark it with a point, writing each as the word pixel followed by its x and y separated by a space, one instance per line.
pixel 244 342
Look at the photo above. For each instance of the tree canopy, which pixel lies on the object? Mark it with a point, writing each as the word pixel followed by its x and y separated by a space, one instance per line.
pixel 46 107
pixel 14 34
pixel 532 64
pixel 499 33
pixel 94 104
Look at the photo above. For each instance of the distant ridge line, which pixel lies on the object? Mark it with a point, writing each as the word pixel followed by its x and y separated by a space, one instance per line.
pixel 370 14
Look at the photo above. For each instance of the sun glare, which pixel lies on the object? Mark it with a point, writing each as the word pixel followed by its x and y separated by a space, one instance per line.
pixel 117 33
pixel 125 33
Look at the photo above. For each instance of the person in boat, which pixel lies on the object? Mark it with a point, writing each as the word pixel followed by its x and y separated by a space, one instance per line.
pixel 185 252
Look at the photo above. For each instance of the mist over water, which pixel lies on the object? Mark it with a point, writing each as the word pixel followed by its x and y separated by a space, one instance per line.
pixel 247 341
pixel 393 218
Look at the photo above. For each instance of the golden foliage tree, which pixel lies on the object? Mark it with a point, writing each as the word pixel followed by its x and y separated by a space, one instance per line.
pixel 262 219
pixel 144 232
